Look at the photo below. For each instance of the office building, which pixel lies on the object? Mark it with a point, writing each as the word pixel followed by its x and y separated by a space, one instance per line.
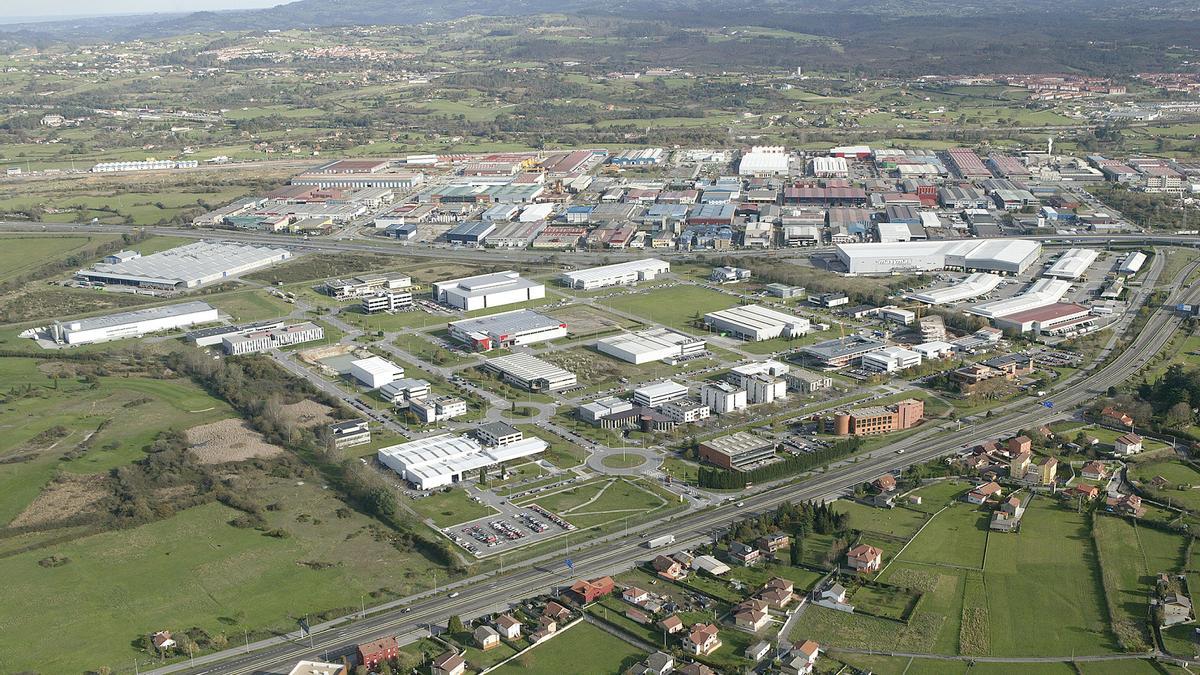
pixel 755 323
pixel 187 266
pixel 723 397
pixel 684 411
pixel 806 381
pixel 437 461
pixel 530 372
pixel 784 291
pixel 829 300
pixel 619 274
pixel 841 352
pixel 135 323
pixel 653 395
pixel 890 359
pixel 593 412
pixel 404 391
pixel 763 389
pixel 728 275
pixel 737 451
pixel 374 372
pixel 276 338
pixel 654 344
pixel 487 290
pixel 880 419
pixel 431 410
pixel 349 433
pixel 506 329
pixel 498 434
pixel 387 301
pixel 896 315
pixel 366 285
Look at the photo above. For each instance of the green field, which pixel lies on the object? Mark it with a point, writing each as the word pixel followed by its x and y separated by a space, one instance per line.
pixel 897 522
pixel 20 254
pixel 247 306
pixel 954 537
pixel 1133 556
pixel 1183 482
pixel 676 307
pixel 449 507
pixel 582 643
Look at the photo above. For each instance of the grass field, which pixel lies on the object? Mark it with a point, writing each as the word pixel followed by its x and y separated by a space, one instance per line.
pixel 897 522
pixel 1133 556
pixel 246 306
pixel 20 254
pixel 449 508
pixel 675 307
pixel 205 573
pixel 582 643
pixel 955 536
pixel 1183 487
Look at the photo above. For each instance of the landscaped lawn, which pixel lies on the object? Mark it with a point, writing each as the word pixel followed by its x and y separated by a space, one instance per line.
pixel 622 461
pixel 449 508
pixel 675 306
pixel 581 644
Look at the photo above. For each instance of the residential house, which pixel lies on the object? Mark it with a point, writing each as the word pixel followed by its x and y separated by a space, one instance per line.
pixel 702 639
pixel 1085 490
pixel 746 555
pixel 508 627
pixel 773 543
pixel 371 653
pixel 163 641
pixel 1008 516
pixel 752 620
pixel 672 624
pixel 486 637
pixel 983 493
pixel 777 593
pixel 885 483
pixel 591 591
pixel 1127 444
pixel 1126 505
pixel 658 663
pixel 835 593
pixel 758 651
pixel 1174 607
pixel 1019 445
pixel 634 595
pixel 448 663
pixel 1047 470
pixel 669 568
pixel 801 658
pixel 1019 465
pixel 864 558
pixel 556 612
pixel 1094 471
pixel 1114 416
pixel 695 668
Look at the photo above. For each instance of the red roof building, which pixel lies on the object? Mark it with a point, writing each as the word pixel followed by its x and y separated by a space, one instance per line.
pixel 371 653
pixel 591 591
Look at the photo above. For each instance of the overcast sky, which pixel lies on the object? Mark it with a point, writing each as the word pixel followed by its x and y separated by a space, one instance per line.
pixel 14 10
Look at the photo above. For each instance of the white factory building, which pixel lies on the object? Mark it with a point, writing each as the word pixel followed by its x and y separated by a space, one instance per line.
pixel 437 461
pixel 1040 293
pixel 654 344
pixel 1005 256
pixel 487 290
pixel 973 286
pixel 723 397
pixel 891 359
pixel 1132 263
pixel 274 338
pixel 620 274
pixel 829 167
pixel 375 372
pixel 654 395
pixel 131 324
pixel 755 323
pixel 1072 263
pixel 530 372
pixel 506 329
pixel 187 266
pixel 764 160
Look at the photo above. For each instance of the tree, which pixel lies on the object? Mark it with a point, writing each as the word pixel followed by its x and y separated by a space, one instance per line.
pixel 455 625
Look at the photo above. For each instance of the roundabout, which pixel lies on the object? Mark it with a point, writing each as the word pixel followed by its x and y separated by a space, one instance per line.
pixel 623 461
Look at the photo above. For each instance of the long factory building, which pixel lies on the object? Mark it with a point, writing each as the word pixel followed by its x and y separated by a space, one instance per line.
pixel 755 323
pixel 187 266
pixel 654 344
pixel 437 461
pixel 1072 263
pixel 1004 256
pixel 135 323
pixel 620 274
pixel 506 329
pixel 530 372
pixel 487 290
pixel 1041 293
pixel 973 286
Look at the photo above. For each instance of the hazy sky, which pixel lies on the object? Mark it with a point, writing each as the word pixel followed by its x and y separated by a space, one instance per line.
pixel 13 10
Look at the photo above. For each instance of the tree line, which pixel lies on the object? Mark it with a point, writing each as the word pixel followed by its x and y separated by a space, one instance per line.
pixel 723 479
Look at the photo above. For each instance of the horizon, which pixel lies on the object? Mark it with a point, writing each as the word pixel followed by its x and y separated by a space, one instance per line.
pixel 82 9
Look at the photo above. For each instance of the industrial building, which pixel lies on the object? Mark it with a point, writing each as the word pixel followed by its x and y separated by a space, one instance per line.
pixel 1040 293
pixel 737 451
pixel 1055 319
pixel 654 344
pixel 891 359
pixel 723 397
pixel 619 274
pixel 471 232
pixel 1132 263
pixel 879 419
pixel 841 352
pixel 366 284
pixel 643 157
pixel 973 286
pixel 135 323
pixel 506 329
pixel 806 381
pixel 653 395
pixel 208 337
pixel 436 461
pixel 487 290
pixel 430 410
pixel 1072 263
pixel 186 266
pixel 764 160
pixel 755 323
pixel 1009 256
pixel 374 372
pixel 350 433
pixel 530 372
pixel 275 338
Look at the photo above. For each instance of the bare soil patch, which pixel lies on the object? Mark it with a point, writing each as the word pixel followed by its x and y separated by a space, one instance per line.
pixel 314 355
pixel 308 413
pixel 229 440
pixel 64 497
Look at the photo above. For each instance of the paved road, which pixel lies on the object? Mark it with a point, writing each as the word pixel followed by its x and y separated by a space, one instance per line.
pixel 477 597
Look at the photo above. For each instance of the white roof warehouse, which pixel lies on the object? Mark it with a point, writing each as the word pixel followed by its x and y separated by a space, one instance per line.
pixel 629 272
pixel 436 461
pixel 186 266
pixel 755 323
pixel 1010 256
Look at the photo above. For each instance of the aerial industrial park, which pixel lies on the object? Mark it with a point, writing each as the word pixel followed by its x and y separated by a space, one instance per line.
pixel 882 373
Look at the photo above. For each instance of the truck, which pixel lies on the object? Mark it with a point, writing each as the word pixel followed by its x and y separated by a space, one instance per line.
pixel 660 541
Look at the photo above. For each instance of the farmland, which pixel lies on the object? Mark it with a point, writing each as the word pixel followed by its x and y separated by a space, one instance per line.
pixel 582 643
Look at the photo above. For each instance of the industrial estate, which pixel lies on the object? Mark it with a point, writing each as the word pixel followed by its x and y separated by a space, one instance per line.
pixel 749 403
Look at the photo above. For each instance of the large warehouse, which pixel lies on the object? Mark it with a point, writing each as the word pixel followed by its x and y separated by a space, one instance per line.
pixel 1072 263
pixel 755 323
pixel 506 329
pixel 136 323
pixel 1040 293
pixel 619 274
pixel 1061 317
pixel 655 344
pixel 764 160
pixel 973 286
pixel 1006 256
pixel 437 461
pixel 530 372
pixel 1133 262
pixel 487 290
pixel 185 266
